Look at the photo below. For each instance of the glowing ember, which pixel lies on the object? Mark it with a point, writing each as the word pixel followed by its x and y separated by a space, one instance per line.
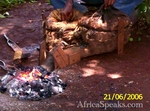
pixel 32 84
pixel 29 76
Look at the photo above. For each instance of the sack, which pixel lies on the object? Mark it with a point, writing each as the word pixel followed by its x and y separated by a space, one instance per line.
pixel 100 31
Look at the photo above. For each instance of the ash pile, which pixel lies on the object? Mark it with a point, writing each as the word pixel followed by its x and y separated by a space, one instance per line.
pixel 31 83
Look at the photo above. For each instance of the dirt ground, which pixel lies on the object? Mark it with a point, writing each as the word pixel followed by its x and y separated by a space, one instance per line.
pixel 88 80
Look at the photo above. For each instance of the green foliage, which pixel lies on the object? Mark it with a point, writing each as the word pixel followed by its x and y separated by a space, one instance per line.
pixel 49 1
pixel 144 11
pixel 7 4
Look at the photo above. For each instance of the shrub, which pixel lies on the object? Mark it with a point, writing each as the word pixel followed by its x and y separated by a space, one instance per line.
pixel 7 4
pixel 144 11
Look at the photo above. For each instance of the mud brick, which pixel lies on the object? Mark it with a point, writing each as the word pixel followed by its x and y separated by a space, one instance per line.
pixel 60 57
pixel 73 55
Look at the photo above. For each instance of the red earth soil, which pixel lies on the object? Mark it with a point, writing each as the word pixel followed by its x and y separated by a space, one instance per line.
pixel 91 79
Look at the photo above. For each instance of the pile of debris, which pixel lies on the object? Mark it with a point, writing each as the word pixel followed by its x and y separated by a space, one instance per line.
pixel 31 83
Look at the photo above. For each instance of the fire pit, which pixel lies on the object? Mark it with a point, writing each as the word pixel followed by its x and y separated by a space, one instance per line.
pixel 30 83
pixel 26 83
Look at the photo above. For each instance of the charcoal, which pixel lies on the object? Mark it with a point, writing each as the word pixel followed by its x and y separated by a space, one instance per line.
pixel 25 84
pixel 22 98
pixel 45 93
pixel 26 69
pixel 41 69
pixel 33 98
pixel 55 80
pixel 35 85
pixel 42 86
pixel 64 85
pixel 27 90
pixel 3 89
pixel 6 78
pixel 13 92
pixel 56 89
pixel 16 84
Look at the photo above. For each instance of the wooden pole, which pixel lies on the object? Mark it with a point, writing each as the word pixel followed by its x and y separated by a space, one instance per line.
pixel 121 26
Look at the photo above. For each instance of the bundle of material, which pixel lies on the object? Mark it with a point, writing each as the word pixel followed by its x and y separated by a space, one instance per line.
pixel 94 34
pixel 100 31
pixel 57 32
pixel 32 83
